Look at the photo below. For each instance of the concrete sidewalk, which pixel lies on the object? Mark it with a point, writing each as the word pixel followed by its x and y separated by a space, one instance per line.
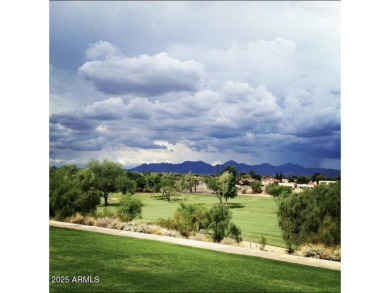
pixel 333 265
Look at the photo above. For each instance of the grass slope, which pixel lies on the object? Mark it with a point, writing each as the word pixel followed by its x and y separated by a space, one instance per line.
pixel 255 215
pixel 135 265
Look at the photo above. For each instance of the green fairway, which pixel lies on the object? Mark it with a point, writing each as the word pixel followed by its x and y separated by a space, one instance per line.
pixel 125 264
pixel 255 215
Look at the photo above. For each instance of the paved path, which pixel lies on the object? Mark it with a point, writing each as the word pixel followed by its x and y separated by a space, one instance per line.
pixel 333 265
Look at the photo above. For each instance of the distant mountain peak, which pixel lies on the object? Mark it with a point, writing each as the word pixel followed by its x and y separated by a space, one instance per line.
pixel 200 167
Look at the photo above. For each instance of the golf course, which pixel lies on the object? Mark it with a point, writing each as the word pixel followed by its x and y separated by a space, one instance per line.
pixel 254 215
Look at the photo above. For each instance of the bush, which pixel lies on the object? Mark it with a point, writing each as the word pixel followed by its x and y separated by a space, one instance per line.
pixel 135 227
pixel 218 218
pixel 77 218
pixel 90 221
pixel 114 224
pixel 256 186
pixel 200 237
pixel 130 210
pixel 103 222
pixel 263 241
pixel 235 232
pixel 277 190
pixel 168 223
pixel 228 241
pixel 320 251
pixel 187 219
pixel 336 255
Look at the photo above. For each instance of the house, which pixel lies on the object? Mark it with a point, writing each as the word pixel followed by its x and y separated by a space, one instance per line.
pixel 304 186
pixel 289 184
pixel 266 181
pixel 285 180
pixel 326 182
pixel 249 180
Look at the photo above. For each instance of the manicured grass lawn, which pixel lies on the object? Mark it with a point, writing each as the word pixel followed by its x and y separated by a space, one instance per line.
pixel 126 264
pixel 255 215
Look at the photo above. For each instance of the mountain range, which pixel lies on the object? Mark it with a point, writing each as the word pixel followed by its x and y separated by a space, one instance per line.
pixel 200 167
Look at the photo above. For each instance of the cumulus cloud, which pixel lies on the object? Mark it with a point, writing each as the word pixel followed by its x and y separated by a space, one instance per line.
pixel 146 75
pixel 101 49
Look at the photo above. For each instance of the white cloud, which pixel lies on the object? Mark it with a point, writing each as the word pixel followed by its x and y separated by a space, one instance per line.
pixel 101 49
pixel 146 75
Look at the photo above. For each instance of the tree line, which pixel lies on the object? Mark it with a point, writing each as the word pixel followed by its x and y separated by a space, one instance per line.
pixel 72 189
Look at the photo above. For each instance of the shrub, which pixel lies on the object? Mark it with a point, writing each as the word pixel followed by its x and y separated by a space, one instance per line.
pixel 168 223
pixel 114 224
pixel 187 219
pixel 320 251
pixel 130 210
pixel 336 255
pixel 228 241
pixel 200 237
pixel 235 232
pixel 103 222
pixel 256 186
pixel 277 190
pixel 90 221
pixel 77 218
pixel 156 230
pixel 262 241
pixel 218 218
pixel 135 227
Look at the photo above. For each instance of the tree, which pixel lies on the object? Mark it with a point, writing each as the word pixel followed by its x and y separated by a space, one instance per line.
pixel 277 190
pixel 316 177
pixel 312 216
pixel 231 169
pixel 303 180
pixel 212 184
pixel 152 182
pixel 255 176
pixel 186 182
pixel 110 177
pixel 125 184
pixel 231 190
pixel 167 185
pixel 71 190
pixel 218 218
pixel 223 185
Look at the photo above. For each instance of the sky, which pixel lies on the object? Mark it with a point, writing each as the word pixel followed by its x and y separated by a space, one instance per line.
pixel 147 82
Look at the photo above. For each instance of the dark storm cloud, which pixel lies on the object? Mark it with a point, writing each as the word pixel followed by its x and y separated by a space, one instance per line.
pixel 73 121
pixel 179 80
